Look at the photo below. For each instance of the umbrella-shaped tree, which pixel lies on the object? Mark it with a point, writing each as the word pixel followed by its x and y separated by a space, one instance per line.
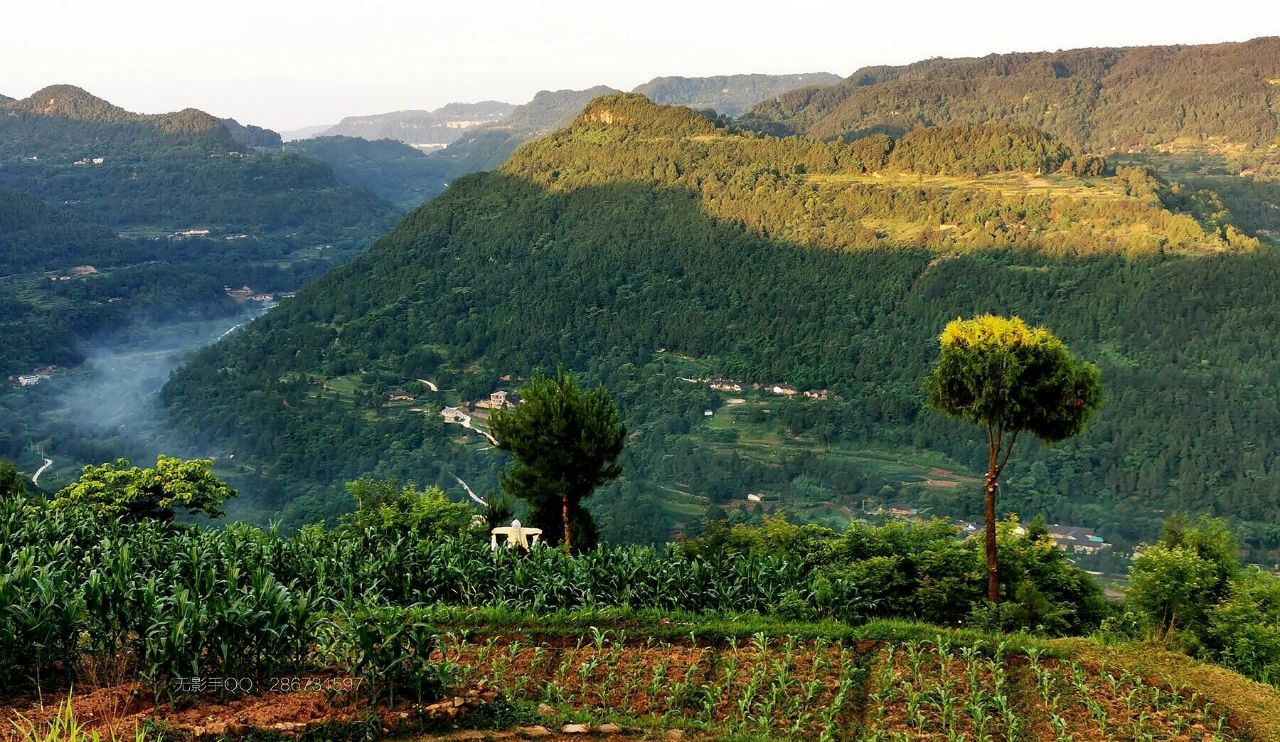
pixel 1007 377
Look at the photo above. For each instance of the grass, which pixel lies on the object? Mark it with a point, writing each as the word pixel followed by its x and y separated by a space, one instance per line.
pixel 1253 705
pixel 1006 184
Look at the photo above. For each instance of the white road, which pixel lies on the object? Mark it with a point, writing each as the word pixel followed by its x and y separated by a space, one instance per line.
pixel 430 385
pixel 35 478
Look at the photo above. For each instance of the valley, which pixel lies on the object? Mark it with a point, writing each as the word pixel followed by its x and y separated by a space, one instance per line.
pixel 931 402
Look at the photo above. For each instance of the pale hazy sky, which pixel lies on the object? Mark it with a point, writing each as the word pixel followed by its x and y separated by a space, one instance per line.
pixel 293 64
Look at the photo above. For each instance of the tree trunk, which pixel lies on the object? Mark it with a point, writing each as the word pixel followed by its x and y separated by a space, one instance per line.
pixel 564 513
pixel 993 573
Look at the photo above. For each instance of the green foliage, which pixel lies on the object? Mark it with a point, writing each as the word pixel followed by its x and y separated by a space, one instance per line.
pixel 977 149
pixel 393 510
pixel 1191 593
pixel 1004 376
pixel 135 493
pixel 388 650
pixel 919 571
pixel 12 484
pixel 565 444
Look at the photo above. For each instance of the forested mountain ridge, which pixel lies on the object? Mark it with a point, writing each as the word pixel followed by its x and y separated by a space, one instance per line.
pixel 947 187
pixel 156 175
pixel 482 136
pixel 731 95
pixel 71 102
pixel 1097 99
pixel 645 245
pixel 35 236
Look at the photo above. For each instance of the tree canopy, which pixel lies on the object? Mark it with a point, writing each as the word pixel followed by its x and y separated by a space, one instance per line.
pixel 1006 377
pixel 565 443
pixel 120 490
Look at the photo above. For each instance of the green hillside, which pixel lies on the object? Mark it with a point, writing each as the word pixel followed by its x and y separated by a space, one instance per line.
pixel 46 309
pixel 644 246
pixel 170 172
pixel 1220 95
pixel 390 169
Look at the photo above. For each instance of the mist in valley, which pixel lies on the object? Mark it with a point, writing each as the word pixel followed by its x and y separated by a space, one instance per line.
pixel 109 406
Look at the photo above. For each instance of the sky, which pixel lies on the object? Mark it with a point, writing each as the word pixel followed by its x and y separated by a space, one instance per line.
pixel 287 65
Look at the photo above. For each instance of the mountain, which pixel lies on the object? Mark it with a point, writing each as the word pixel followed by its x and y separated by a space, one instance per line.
pixel 731 95
pixel 156 175
pixel 248 135
pixel 68 281
pixel 37 237
pixel 407 176
pixel 1211 96
pixel 482 136
pixel 131 237
pixel 391 170
pixel 645 246
pixel 426 130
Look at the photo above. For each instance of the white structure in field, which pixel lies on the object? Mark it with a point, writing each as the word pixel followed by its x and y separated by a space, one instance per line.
pixel 517 535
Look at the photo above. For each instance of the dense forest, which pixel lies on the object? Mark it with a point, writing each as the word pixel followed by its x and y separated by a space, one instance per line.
pixel 1098 99
pixel 46 309
pixel 645 244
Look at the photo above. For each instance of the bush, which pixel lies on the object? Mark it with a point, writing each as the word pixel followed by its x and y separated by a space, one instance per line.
pixel 392 510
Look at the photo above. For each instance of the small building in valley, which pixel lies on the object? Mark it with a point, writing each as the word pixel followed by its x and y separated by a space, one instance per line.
pixel 901 510
pixel 454 415
pixel 1077 539
pixel 496 401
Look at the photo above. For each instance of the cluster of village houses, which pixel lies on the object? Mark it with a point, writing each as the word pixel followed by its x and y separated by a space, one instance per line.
pixel 35 377
pixel 721 384
pixel 79 270
pixel 245 293
pixel 1071 539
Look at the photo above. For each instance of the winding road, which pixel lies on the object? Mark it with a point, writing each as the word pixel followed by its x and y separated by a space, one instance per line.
pixel 35 478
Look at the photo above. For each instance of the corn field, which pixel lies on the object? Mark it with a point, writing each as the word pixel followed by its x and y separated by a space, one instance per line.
pixel 244 602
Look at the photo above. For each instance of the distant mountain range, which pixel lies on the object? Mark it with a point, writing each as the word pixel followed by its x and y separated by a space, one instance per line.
pixel 731 95
pixel 424 130
pixel 1154 97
